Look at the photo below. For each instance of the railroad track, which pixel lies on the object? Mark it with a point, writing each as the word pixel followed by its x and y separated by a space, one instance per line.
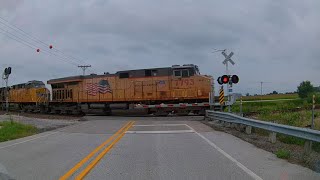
pixel 123 113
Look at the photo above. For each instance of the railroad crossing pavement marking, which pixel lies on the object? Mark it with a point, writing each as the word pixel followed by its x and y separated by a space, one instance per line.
pixel 122 130
pixel 159 125
pixel 244 168
pixel 162 131
pixel 102 154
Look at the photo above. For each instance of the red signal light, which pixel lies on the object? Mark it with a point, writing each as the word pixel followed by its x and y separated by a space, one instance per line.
pixel 38 50
pixel 225 79
pixel 50 46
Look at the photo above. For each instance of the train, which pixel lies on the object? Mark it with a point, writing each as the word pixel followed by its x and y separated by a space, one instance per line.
pixel 179 89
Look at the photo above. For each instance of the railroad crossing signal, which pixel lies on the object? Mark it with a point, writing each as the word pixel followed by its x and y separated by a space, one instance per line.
pixel 225 79
pixel 7 71
pixel 221 96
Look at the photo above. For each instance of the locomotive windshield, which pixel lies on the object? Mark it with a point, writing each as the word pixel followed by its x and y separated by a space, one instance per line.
pixel 35 84
pixel 186 70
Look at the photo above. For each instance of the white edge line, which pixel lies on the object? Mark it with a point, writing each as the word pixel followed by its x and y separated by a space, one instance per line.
pixel 245 169
pixel 28 140
pixel 55 132
pixel 159 125
pixel 159 132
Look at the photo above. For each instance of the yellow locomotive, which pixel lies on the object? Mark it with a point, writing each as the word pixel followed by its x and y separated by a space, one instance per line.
pixel 181 89
pixel 30 96
pixel 176 89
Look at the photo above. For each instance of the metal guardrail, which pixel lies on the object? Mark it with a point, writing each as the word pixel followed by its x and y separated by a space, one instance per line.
pixel 304 133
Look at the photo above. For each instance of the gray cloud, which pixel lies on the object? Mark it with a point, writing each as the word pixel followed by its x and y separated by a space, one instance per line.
pixel 274 41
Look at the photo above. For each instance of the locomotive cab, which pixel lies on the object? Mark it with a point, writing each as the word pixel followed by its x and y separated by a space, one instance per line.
pixel 186 70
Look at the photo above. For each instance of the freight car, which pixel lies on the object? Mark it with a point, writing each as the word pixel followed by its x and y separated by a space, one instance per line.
pixel 179 89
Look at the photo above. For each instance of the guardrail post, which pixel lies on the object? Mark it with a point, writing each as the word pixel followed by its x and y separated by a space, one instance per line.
pixel 237 126
pixel 206 116
pixel 307 147
pixel 248 129
pixel 273 137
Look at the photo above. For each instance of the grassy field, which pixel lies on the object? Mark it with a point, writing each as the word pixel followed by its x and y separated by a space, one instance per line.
pixel 267 106
pixel 296 112
pixel 14 130
pixel 270 97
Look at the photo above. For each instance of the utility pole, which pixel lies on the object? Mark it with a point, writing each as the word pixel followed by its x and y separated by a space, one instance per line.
pixel 84 67
pixel 261 87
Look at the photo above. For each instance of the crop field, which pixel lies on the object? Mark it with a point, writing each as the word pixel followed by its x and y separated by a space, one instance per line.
pixel 270 97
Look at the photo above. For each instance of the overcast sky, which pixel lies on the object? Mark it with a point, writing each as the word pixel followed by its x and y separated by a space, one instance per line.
pixel 275 41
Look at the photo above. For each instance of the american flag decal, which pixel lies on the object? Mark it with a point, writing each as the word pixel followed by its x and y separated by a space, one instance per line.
pixel 102 87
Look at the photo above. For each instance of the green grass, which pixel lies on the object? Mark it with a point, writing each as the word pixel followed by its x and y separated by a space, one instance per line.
pixel 290 140
pixel 270 106
pixel 316 146
pixel 294 113
pixel 270 97
pixel 283 154
pixel 298 119
pixel 14 130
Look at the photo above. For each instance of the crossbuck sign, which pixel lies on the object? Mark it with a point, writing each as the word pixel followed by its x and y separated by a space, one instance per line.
pixel 228 58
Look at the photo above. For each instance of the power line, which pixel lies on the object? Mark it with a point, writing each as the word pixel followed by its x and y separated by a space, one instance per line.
pixel 30 45
pixel 17 29
pixel 37 40
pixel 6 32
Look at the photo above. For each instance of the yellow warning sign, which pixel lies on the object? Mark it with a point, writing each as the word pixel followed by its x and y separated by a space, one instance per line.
pixel 221 96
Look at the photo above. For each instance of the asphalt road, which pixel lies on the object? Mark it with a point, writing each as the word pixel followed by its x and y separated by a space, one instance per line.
pixel 146 148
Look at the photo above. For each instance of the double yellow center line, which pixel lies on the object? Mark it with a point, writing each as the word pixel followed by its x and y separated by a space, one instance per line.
pixel 117 136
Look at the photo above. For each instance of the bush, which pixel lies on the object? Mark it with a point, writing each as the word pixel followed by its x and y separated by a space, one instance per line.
pixel 309 98
pixel 305 88
pixel 283 154
pixel 291 140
